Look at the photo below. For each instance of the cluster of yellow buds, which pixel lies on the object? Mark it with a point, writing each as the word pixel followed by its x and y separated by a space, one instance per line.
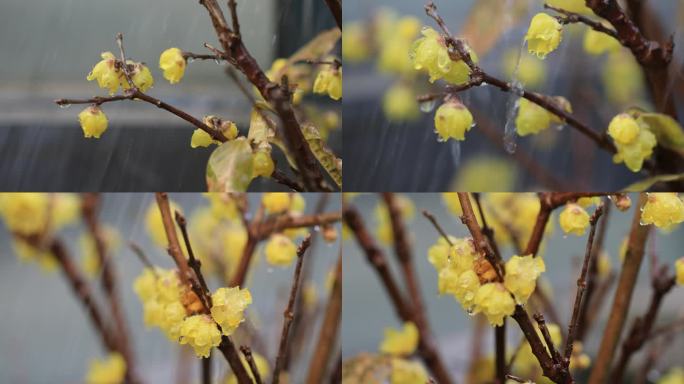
pixel 178 312
pixel 110 74
pixel 634 141
pixel 544 35
pixel 400 342
pixel 664 210
pixel 384 224
pixel 111 370
pixel 452 120
pixel 200 138
pixel 430 54
pixel 37 214
pixel 329 81
pixel 574 219
pixel 532 119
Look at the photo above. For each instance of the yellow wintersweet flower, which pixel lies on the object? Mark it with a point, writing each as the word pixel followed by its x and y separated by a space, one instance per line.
pixel 106 73
pixel 355 43
pixel 172 62
pixel 201 333
pixel 438 253
pixel 597 43
pixel 495 302
pixel 574 219
pixel 66 209
pixel 329 80
pixel 141 76
pixel 464 286
pixel 634 142
pixel 453 120
pixel 679 269
pixel 531 118
pixel 575 6
pixel 276 202
pixel 664 210
pixel 160 291
pixel 407 372
pixel 280 250
pixel 28 253
pixel 544 35
pixel 530 71
pixel 155 225
pixel 262 164
pixel 200 138
pixel 25 213
pixel 93 121
pixel 399 103
pixel 228 307
pixel 261 364
pixel 400 342
pixel 108 371
pixel 673 376
pixel 430 53
pixel 521 276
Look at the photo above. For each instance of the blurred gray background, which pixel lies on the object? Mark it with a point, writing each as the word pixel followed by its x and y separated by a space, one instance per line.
pixel 46 337
pixel 405 156
pixel 48 48
pixel 367 309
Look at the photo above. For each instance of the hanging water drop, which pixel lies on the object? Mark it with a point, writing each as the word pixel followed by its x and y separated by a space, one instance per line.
pixel 64 106
pixel 217 61
pixel 190 60
pixel 428 105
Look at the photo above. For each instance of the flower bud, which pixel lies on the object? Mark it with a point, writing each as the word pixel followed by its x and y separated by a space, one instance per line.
pixel 172 62
pixel 93 121
pixel 280 250
pixel 544 35
pixel 107 74
pixel 329 80
pixel 664 210
pixel 574 219
pixel 453 120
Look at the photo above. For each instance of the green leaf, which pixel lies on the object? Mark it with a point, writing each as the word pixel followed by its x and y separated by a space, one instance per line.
pixel 646 184
pixel 667 130
pixel 325 156
pixel 230 167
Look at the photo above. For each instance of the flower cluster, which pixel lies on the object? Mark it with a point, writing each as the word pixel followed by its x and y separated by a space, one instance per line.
pixel 664 210
pixel 160 292
pixel 109 371
pixel 201 333
pixel 634 141
pixel 472 280
pixel 430 54
pixel 574 219
pixel 110 75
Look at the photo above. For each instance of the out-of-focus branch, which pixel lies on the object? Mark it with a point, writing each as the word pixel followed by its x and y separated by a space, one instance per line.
pixel 623 295
pixel 329 330
pixel 336 10
pixel 247 352
pixel 89 208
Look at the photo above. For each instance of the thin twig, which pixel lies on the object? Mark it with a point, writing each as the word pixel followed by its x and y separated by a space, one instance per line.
pixel 574 18
pixel 336 10
pixel 206 369
pixel 289 311
pixel 193 262
pixel 581 285
pixel 438 227
pixel 247 352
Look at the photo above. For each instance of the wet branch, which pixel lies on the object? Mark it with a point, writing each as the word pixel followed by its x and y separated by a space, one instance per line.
pixel 575 18
pixel 247 352
pixel 289 311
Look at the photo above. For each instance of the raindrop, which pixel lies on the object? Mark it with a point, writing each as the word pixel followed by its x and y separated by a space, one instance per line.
pixel 64 106
pixel 428 106
pixel 191 60
pixel 509 137
pixel 217 61
pixel 317 228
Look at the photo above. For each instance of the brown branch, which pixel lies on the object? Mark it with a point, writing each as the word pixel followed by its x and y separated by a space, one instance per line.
pixel 279 96
pixel 623 295
pixel 581 286
pixel 89 208
pixel 647 52
pixel 230 352
pixel 193 262
pixel 281 178
pixel 336 375
pixel 232 5
pixel 279 223
pixel 500 352
pixel 574 18
pixel 482 246
pixel 592 276
pixel 479 77
pixel 247 352
pixel 82 290
pixel 135 94
pixel 638 335
pixel 438 227
pixel 555 354
pixel 404 310
pixel 329 330
pixel 206 369
pixel 289 311
pixel 336 10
